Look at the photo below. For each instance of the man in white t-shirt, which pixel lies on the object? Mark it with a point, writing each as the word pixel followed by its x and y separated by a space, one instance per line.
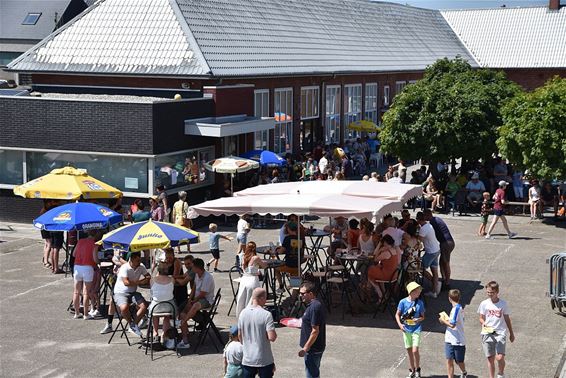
pixel 201 298
pixel 496 323
pixel 475 189
pixel 130 275
pixel 391 230
pixel 432 253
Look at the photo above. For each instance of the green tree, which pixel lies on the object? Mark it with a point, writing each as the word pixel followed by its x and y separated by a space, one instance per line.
pixel 453 112
pixel 533 134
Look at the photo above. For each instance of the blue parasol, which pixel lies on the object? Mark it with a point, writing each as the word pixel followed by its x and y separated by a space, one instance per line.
pixel 271 159
pixel 80 216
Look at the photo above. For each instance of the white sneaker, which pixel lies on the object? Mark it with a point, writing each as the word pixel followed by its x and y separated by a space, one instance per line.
pixel 77 316
pixel 431 294
pixel 183 345
pixel 169 344
pixel 488 236
pixel 88 317
pixel 280 290
pixel 107 329
pixel 135 330
pixel 94 313
pixel 512 235
pixel 500 376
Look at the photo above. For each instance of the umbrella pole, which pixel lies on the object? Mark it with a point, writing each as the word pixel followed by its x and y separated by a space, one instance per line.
pixel 231 185
pixel 300 245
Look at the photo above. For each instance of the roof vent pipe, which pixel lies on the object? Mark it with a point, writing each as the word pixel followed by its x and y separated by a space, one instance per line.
pixel 554 4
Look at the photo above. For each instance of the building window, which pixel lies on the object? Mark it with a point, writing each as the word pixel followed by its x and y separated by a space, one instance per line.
pixel 332 118
pixel 371 102
pixel 283 114
pixel 31 19
pixel 11 167
pixel 184 169
pixel 352 108
pixel 129 174
pixel 309 102
pixel 386 94
pixel 412 81
pixel 261 109
pixel 399 85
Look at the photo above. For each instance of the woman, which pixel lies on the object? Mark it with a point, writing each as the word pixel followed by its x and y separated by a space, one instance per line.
pixel 386 259
pixel 432 193
pixel 179 215
pixel 365 241
pixel 86 258
pixel 410 244
pixel 46 236
pixel 156 211
pixel 162 287
pixel 534 199
pixel 250 278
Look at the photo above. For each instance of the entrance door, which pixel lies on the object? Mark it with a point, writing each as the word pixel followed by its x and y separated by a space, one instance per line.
pixel 310 133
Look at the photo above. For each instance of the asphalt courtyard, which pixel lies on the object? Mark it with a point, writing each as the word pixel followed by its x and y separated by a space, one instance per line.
pixel 39 338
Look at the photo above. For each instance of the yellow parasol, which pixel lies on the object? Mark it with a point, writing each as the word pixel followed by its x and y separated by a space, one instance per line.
pixel 364 125
pixel 67 183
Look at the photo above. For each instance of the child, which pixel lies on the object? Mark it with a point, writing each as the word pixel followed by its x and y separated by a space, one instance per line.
pixel 454 339
pixel 484 212
pixel 409 316
pixel 496 325
pixel 233 354
pixel 214 244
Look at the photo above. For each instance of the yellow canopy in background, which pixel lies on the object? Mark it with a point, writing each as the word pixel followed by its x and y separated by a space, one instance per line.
pixel 67 184
pixel 364 125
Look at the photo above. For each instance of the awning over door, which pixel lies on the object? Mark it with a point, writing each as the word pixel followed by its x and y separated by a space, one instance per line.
pixel 228 125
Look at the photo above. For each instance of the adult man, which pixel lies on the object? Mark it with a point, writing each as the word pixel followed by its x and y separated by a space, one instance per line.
pixel 495 322
pixel 322 164
pixel 447 245
pixel 339 230
pixel 432 252
pixel 201 298
pixel 257 332
pixel 395 179
pixel 313 330
pixel 498 212
pixel 391 230
pixel 141 215
pixel 475 189
pixel 130 275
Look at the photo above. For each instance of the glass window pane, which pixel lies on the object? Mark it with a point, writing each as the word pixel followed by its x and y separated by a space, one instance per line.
pixel 184 169
pixel 11 167
pixel 128 174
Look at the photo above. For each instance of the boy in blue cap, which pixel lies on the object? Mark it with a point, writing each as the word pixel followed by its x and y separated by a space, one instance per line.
pixel 233 354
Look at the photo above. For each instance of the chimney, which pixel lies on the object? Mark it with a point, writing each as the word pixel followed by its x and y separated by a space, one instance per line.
pixel 554 4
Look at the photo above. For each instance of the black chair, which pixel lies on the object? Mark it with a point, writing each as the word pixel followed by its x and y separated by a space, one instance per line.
pixel 390 293
pixel 170 311
pixel 234 274
pixel 205 318
pixel 120 325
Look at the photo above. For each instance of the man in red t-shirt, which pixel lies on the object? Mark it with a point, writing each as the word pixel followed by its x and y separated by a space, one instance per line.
pixel 498 202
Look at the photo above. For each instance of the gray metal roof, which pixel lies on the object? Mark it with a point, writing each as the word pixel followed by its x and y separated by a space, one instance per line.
pixel 13 12
pixel 531 37
pixel 245 38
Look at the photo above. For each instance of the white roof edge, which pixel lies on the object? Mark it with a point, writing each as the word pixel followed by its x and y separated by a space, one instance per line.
pixel 189 34
pixel 32 49
pixel 472 55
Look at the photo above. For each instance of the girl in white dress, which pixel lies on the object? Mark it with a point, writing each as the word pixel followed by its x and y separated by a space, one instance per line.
pixel 250 278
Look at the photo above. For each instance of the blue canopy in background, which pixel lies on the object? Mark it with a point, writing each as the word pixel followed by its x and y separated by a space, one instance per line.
pixel 81 216
pixel 268 158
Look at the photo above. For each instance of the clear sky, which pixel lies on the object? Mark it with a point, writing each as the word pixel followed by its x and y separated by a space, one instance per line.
pixel 468 4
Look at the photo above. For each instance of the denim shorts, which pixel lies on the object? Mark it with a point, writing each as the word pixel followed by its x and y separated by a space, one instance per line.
pixel 242 238
pixel 430 260
pixel 455 352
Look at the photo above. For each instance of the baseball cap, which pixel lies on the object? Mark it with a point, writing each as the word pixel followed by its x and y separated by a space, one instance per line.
pixel 234 330
pixel 503 183
pixel 412 286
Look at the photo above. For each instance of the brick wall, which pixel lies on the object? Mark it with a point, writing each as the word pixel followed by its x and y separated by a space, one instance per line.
pixel 18 209
pixel 531 79
pixel 76 125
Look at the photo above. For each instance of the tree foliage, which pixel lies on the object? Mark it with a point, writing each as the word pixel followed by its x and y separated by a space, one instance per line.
pixel 453 112
pixel 533 135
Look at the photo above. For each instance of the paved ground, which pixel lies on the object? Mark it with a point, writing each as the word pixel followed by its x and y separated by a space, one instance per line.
pixel 39 338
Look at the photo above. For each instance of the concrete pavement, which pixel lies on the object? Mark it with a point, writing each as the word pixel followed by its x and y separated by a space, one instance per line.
pixel 39 338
